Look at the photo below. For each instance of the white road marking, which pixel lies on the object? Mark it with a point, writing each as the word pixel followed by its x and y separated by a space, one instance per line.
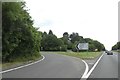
pixel 91 63
pixel 86 70
pixel 88 74
pixel 22 66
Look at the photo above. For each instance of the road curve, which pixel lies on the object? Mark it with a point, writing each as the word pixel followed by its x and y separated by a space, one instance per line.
pixel 107 67
pixel 53 66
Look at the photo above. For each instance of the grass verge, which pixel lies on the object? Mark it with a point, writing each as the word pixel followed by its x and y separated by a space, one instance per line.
pixel 82 55
pixel 118 51
pixel 14 64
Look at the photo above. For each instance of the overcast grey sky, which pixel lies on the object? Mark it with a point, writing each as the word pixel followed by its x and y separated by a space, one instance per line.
pixel 96 19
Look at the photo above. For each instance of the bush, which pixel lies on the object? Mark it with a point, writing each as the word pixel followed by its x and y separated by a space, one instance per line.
pixel 63 48
pixel 51 43
pixel 74 48
pixel 19 38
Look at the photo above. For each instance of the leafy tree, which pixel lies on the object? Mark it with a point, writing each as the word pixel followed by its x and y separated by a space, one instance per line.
pixel 66 40
pixel 44 34
pixel 74 47
pixel 66 35
pixel 75 37
pixel 93 44
pixel 88 40
pixel 97 45
pixel 116 46
pixel 69 42
pixel 92 47
pixel 69 45
pixel 52 43
pixel 50 32
pixel 20 39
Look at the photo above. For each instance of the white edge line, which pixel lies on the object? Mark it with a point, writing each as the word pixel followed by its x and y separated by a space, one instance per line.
pixel 22 66
pixel 86 70
pixel 93 67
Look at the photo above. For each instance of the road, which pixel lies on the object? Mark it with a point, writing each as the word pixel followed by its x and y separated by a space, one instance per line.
pixel 61 66
pixel 107 67
pixel 53 66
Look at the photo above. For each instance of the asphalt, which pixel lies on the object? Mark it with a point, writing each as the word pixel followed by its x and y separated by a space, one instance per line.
pixel 107 67
pixel 91 62
pixel 53 66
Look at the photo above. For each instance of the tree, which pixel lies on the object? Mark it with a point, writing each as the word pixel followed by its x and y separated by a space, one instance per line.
pixel 52 43
pixel 88 40
pixel 20 39
pixel 69 42
pixel 94 44
pixel 92 47
pixel 74 47
pixel 66 35
pixel 50 32
pixel 98 45
pixel 116 46
pixel 66 40
pixel 75 37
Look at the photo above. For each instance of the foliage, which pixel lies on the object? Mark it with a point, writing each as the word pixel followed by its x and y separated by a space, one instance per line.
pixel 94 45
pixel 50 32
pixel 75 37
pixel 51 43
pixel 74 48
pixel 116 46
pixel 70 40
pixel 20 39
pixel 66 35
pixel 63 48
pixel 69 45
pixel 98 45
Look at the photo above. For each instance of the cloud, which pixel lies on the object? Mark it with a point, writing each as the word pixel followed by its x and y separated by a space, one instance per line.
pixel 96 19
pixel 45 23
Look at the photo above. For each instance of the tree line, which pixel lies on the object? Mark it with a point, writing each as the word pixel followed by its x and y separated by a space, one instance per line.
pixel 20 40
pixel 50 42
pixel 116 46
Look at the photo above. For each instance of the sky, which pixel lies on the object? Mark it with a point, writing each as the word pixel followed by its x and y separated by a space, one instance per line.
pixel 95 19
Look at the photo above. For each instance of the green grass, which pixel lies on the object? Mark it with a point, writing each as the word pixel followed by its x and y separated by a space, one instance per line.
pixel 116 51
pixel 8 65
pixel 82 55
pixel 11 64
